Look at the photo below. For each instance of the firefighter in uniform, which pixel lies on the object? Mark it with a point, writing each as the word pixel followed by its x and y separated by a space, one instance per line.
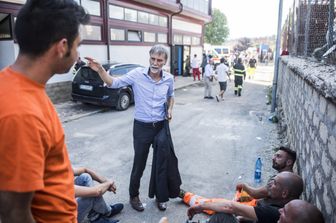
pixel 239 76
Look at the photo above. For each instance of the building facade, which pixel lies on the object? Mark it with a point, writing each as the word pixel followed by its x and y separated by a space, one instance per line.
pixel 124 31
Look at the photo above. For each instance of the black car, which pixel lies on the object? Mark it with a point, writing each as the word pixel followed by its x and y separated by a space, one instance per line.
pixel 88 87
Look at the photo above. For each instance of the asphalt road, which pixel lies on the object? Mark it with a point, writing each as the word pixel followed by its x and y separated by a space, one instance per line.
pixel 217 145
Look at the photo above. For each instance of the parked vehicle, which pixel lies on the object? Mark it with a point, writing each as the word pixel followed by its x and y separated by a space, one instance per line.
pixel 88 87
pixel 217 52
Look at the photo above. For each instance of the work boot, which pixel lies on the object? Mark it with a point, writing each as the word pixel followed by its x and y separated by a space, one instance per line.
pixel 136 203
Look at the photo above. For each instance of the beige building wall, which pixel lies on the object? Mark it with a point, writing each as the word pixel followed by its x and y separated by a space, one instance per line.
pixel 133 54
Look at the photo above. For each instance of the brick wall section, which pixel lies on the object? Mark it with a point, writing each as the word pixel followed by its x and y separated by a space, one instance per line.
pixel 59 92
pixel 307 109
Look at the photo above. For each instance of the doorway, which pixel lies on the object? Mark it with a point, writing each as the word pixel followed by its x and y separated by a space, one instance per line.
pixel 179 60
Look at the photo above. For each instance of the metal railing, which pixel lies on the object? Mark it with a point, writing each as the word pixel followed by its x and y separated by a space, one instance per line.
pixel 309 30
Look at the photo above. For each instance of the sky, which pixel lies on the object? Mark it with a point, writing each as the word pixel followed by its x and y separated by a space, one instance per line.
pixel 251 18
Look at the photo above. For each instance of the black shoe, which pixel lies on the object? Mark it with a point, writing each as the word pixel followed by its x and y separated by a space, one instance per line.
pixel 206 97
pixel 210 97
pixel 115 209
pixel 136 203
pixel 235 92
pixel 162 206
pixel 182 193
pixel 217 98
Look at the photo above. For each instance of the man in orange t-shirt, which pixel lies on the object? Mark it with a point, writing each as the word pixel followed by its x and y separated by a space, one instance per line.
pixel 35 172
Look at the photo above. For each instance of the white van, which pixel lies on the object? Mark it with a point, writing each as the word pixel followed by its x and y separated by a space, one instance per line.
pixel 222 51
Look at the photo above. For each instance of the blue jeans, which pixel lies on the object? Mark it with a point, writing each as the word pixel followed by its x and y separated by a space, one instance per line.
pixel 86 204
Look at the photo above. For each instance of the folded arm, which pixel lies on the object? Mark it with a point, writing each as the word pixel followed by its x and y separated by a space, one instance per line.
pixel 100 179
pixel 98 190
pixel 94 175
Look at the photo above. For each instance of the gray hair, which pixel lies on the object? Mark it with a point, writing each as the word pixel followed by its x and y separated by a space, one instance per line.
pixel 159 49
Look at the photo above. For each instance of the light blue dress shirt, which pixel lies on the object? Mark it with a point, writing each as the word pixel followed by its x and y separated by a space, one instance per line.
pixel 149 95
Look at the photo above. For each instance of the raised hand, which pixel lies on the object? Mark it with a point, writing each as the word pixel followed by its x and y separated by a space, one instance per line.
pixel 93 64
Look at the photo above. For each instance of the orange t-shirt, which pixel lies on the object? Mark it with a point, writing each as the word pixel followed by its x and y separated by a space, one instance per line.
pixel 33 154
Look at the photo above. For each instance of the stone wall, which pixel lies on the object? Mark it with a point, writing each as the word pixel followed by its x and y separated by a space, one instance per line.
pixel 306 100
pixel 59 92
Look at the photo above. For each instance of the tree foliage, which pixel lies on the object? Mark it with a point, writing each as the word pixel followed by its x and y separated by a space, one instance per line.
pixel 243 44
pixel 217 31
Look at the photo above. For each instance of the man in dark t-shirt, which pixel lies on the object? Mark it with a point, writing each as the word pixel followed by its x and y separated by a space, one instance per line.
pixel 283 160
pixel 283 188
pixel 299 211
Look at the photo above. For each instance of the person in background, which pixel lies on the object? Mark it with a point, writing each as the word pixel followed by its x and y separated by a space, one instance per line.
pixel 79 63
pixel 239 76
pixel 208 79
pixel 90 199
pixel 37 182
pixel 187 66
pixel 204 63
pixel 195 68
pixel 251 68
pixel 222 75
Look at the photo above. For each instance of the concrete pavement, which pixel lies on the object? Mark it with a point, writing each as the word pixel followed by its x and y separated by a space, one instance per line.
pixel 216 144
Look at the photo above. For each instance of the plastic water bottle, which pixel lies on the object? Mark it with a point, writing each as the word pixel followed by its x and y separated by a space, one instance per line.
pixel 257 172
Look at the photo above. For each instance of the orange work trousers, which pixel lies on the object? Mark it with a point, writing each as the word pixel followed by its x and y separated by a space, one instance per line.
pixel 193 199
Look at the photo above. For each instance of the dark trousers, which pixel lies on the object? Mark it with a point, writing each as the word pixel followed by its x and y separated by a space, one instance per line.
pixel 238 81
pixel 143 137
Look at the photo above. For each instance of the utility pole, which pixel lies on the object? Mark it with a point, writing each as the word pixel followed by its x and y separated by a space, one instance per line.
pixel 277 58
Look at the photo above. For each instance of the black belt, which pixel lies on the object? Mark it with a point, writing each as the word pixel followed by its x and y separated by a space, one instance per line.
pixel 151 124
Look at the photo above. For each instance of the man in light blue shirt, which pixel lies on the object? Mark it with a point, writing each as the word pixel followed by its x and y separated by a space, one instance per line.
pixel 153 88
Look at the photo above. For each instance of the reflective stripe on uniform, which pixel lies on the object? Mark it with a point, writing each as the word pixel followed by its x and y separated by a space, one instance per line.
pixel 239 71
